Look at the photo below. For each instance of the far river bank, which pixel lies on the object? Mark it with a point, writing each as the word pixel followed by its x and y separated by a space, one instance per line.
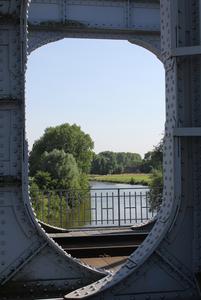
pixel 133 179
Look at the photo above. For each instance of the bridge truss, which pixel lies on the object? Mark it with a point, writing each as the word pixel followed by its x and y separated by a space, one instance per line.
pixel 168 263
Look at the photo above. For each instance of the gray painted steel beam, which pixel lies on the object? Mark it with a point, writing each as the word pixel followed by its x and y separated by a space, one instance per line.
pixel 168 263
pixel 136 21
pixel 31 264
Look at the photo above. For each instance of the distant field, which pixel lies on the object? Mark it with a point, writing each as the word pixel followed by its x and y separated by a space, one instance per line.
pixel 143 179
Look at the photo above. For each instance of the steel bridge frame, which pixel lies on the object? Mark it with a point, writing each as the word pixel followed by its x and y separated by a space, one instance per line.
pixel 168 263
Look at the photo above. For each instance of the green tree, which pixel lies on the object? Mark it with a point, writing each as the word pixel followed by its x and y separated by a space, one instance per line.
pixel 153 159
pixel 62 168
pixel 120 169
pixel 58 171
pixel 44 181
pixel 128 159
pixel 155 195
pixel 70 139
pixel 96 164
pixel 107 162
pixel 111 162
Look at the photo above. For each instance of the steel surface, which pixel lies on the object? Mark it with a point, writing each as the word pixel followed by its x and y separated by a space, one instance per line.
pixel 167 265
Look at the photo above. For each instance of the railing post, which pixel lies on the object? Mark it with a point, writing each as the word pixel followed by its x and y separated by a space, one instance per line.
pixel 42 207
pixel 60 195
pixel 119 214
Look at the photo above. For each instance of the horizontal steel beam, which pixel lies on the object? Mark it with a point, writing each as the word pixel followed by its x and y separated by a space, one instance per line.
pixel 121 20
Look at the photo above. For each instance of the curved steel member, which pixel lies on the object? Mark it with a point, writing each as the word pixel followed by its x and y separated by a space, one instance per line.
pixel 31 264
pixel 146 225
pixel 167 265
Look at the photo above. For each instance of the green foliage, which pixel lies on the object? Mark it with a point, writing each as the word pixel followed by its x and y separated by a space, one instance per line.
pixel 62 168
pixel 60 171
pixel 44 181
pixel 132 181
pixel 61 209
pixel 70 139
pixel 108 162
pixel 153 159
pixel 128 159
pixel 155 195
pixel 155 162
pixel 120 169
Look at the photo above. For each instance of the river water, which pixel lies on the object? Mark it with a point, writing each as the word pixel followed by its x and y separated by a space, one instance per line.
pixel 118 204
pixel 108 185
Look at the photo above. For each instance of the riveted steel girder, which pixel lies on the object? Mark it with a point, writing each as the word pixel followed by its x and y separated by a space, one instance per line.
pixel 137 21
pixel 168 263
pixel 31 264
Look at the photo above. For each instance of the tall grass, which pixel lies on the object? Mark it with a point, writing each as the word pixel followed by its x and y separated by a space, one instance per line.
pixel 141 179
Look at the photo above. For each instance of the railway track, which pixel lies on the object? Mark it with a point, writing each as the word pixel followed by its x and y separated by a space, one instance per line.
pixel 97 245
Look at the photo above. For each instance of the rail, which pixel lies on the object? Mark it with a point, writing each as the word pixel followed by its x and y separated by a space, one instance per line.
pixel 92 208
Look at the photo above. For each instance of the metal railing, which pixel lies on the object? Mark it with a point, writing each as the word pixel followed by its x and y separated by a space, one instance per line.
pixel 92 208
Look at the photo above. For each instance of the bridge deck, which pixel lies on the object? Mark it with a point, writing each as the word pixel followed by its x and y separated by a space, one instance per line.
pixel 101 248
pixel 105 262
pixel 90 232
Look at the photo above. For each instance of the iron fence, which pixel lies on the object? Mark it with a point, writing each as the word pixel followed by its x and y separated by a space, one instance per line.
pixel 92 208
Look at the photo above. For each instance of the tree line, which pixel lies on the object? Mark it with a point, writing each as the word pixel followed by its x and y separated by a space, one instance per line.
pixel 108 162
pixel 63 156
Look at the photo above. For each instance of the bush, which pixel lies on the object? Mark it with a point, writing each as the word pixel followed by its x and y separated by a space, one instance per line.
pixel 132 181
pixel 155 195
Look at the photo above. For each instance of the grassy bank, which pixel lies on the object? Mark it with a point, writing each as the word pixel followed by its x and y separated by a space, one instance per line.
pixel 142 179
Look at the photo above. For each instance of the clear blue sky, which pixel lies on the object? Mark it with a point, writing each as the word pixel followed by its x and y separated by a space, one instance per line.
pixel 114 90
